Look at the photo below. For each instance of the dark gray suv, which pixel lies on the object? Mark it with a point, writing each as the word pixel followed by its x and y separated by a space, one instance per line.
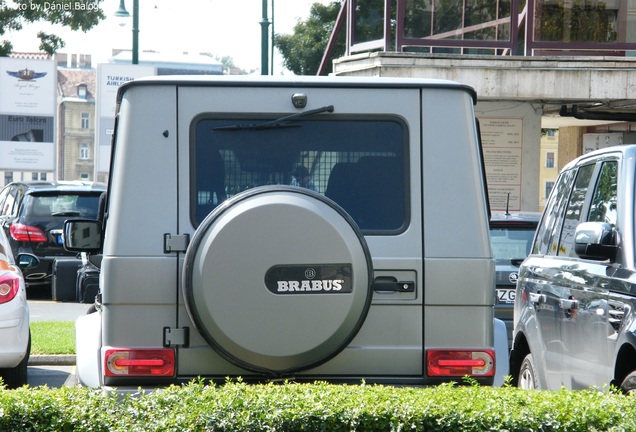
pixel 575 302
pixel 32 215
pixel 511 237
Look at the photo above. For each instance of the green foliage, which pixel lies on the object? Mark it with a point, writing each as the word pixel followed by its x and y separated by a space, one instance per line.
pixel 302 51
pixel 52 337
pixel 236 406
pixel 78 15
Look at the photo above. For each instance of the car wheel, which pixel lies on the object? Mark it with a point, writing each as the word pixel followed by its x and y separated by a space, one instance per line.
pixel 628 386
pixel 17 376
pixel 528 379
pixel 278 280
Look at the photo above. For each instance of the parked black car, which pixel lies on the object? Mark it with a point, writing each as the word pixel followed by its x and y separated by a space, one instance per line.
pixel 511 237
pixel 575 304
pixel 33 214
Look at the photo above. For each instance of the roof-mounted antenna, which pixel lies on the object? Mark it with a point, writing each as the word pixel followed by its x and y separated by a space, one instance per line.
pixel 508 204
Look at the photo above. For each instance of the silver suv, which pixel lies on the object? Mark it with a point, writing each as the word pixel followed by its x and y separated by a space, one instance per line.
pixel 291 228
pixel 575 297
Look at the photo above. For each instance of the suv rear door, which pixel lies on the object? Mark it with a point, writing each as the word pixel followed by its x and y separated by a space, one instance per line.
pixel 572 335
pixel 584 308
pixel 389 341
pixel 540 320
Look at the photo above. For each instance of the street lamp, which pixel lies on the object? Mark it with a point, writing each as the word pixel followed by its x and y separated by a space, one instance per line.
pixel 264 37
pixel 121 12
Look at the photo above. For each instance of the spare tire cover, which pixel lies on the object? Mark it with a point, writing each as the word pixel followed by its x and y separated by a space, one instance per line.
pixel 278 279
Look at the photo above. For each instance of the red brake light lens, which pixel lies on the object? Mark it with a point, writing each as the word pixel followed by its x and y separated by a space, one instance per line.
pixel 26 233
pixel 9 286
pixel 141 362
pixel 459 363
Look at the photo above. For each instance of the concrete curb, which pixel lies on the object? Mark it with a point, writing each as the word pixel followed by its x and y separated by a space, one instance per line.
pixel 52 360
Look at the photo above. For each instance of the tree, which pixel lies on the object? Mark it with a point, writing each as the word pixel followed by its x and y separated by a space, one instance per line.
pixel 302 51
pixel 75 14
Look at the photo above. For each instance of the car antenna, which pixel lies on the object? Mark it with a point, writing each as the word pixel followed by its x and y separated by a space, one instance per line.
pixel 507 204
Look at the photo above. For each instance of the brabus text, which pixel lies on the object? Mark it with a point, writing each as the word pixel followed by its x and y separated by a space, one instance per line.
pixel 313 285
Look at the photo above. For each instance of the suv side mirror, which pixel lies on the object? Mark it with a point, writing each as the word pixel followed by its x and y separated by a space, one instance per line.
pixel 27 261
pixel 595 240
pixel 82 235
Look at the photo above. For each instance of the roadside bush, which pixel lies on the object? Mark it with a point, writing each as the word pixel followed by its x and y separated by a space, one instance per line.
pixel 236 406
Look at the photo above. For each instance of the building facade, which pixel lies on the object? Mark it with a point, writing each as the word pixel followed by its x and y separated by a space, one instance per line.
pixel 548 164
pixel 535 64
pixel 76 124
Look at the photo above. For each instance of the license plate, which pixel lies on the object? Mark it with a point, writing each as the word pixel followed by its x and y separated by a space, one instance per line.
pixel 505 295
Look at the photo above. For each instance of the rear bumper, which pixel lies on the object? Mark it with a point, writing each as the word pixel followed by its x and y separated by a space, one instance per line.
pixel 14 332
pixel 88 341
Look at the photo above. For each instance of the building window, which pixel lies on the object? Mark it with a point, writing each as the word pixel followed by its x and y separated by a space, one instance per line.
pixel 549 160
pixel 84 176
pixel 594 21
pixel 35 176
pixel 8 177
pixel 82 92
pixel 548 188
pixel 84 151
pixel 85 122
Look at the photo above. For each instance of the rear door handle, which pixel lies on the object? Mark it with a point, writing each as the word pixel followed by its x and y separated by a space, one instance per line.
pixel 537 298
pixel 569 304
pixel 391 284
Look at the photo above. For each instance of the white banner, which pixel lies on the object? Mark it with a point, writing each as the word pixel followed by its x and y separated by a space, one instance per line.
pixel 593 142
pixel 109 78
pixel 27 156
pixel 27 86
pixel 27 114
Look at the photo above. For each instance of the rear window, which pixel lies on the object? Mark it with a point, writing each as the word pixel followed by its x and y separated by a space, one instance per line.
pixel 510 243
pixel 63 205
pixel 360 163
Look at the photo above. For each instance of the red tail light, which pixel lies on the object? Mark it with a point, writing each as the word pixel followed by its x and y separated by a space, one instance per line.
pixel 26 233
pixel 9 286
pixel 458 363
pixel 141 362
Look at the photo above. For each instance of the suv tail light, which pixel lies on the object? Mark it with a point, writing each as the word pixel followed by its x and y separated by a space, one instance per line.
pixel 9 286
pixel 459 363
pixel 139 362
pixel 26 233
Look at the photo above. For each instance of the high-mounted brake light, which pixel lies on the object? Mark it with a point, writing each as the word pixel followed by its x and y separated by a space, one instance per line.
pixel 26 233
pixel 9 286
pixel 139 362
pixel 458 363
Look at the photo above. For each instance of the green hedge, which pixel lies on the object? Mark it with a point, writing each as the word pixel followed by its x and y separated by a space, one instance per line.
pixel 316 407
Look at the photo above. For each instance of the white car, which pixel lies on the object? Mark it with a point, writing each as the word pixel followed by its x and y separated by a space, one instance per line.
pixel 14 319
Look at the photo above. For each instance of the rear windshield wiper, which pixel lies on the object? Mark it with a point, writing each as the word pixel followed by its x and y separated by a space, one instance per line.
pixel 66 213
pixel 516 261
pixel 282 122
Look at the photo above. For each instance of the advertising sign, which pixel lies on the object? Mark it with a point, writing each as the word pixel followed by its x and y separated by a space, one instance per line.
pixel 27 114
pixel 109 78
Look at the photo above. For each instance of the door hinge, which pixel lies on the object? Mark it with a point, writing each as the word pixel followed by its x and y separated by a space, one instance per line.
pixel 175 242
pixel 179 336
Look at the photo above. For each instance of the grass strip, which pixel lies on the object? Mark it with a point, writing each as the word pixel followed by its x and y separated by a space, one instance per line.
pixel 52 337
